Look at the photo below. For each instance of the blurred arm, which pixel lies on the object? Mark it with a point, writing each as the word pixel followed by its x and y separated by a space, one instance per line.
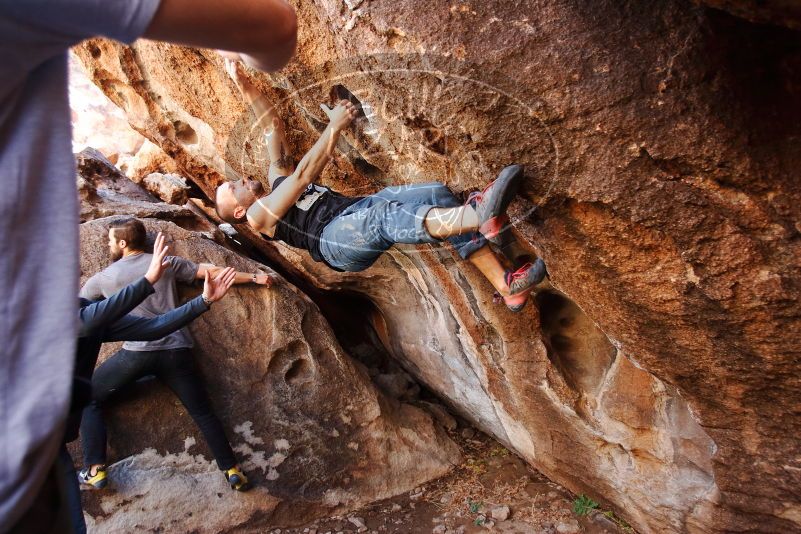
pixel 265 31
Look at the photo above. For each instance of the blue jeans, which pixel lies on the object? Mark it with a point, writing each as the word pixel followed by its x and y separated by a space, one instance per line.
pixel 355 239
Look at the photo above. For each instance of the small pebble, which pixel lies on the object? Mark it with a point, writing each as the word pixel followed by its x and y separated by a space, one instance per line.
pixel 570 526
pixel 358 522
pixel 500 513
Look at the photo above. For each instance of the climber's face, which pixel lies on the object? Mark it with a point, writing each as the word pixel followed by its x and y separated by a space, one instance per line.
pixel 234 198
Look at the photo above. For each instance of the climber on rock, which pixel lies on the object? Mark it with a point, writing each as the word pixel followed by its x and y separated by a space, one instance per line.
pixel 169 359
pixel 350 233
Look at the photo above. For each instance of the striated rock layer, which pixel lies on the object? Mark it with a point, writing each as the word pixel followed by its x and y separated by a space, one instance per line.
pixel 660 372
pixel 305 420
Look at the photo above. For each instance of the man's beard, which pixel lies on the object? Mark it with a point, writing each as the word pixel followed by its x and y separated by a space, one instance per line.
pixel 115 254
pixel 256 188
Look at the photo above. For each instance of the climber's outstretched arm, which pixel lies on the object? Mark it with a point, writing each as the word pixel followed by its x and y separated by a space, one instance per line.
pixel 264 30
pixel 267 119
pixel 133 328
pixel 267 211
pixel 262 279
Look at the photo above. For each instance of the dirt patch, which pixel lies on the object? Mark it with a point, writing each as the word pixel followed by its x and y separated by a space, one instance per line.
pixel 490 480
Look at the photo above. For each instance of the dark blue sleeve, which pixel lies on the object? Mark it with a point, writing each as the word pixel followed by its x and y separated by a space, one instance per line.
pixel 68 22
pixel 103 313
pixel 133 328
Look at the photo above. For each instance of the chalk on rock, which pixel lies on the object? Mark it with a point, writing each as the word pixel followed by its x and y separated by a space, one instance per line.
pixel 228 230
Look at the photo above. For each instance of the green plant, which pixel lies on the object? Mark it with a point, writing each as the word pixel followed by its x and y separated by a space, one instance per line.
pixel 499 451
pixel 479 521
pixel 583 505
pixel 622 525
pixel 474 506
pixel 476 467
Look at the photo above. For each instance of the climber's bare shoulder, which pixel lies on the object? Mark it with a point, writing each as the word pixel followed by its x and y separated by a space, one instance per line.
pixel 265 213
pixel 259 218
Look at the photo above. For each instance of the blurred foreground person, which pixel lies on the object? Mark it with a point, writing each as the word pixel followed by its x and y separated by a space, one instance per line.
pixel 39 206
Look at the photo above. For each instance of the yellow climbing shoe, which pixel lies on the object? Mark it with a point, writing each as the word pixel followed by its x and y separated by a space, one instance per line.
pixel 237 479
pixel 97 481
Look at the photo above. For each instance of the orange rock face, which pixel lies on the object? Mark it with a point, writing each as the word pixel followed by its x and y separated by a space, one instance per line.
pixel 659 372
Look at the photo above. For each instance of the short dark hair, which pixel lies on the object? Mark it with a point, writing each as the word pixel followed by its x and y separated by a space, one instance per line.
pixel 131 230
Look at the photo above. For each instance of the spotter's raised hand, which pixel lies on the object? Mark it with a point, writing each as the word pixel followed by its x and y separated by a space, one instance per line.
pixel 215 288
pixel 157 262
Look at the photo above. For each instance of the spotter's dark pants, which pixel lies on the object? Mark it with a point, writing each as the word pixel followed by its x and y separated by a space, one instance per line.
pixel 175 368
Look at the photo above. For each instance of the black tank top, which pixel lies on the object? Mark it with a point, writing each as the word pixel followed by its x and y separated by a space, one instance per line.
pixel 303 224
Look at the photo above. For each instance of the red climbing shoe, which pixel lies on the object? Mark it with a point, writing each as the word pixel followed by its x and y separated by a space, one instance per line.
pixel 491 203
pixel 521 282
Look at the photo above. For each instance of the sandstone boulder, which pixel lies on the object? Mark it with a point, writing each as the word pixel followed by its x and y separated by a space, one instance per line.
pixel 659 372
pixel 170 188
pixel 312 431
pixel 97 122
pixel 148 159
pixel 105 191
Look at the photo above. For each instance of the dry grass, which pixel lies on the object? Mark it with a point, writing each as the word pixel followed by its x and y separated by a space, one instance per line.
pixel 464 492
